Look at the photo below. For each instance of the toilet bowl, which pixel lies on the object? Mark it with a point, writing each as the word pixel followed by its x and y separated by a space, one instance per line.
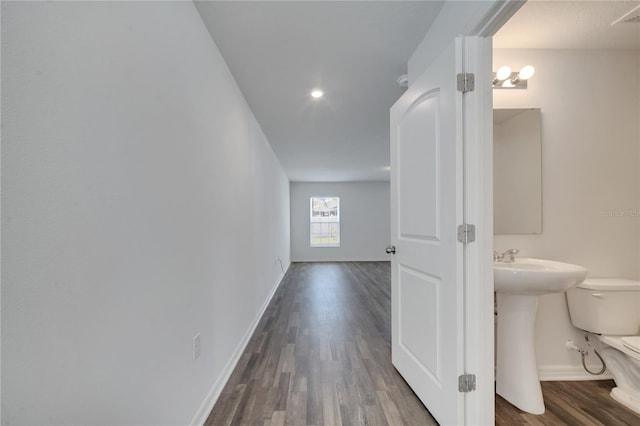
pixel 610 308
pixel 623 361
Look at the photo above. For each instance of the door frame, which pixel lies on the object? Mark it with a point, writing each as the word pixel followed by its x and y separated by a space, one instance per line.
pixel 478 210
pixel 478 22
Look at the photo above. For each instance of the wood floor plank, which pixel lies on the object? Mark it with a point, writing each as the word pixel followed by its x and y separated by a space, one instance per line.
pixel 330 406
pixel 277 419
pixel 571 403
pixel 390 409
pixel 321 355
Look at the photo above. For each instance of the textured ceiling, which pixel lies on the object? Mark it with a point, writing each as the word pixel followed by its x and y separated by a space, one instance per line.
pixel 569 25
pixel 353 50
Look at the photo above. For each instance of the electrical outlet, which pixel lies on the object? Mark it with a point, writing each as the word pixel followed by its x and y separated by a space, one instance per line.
pixel 196 347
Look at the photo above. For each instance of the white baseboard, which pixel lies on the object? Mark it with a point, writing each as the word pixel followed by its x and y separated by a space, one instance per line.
pixel 213 395
pixel 570 373
pixel 345 259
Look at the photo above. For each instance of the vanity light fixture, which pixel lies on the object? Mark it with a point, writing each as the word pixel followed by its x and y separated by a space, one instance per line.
pixel 504 78
pixel 502 74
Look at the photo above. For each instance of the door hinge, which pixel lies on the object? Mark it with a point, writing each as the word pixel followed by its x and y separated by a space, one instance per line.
pixel 466 82
pixel 466 233
pixel 467 383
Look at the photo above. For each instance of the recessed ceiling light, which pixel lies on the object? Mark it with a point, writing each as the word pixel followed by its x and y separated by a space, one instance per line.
pixel 317 93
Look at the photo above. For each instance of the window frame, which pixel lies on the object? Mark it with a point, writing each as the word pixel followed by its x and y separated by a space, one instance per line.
pixel 336 221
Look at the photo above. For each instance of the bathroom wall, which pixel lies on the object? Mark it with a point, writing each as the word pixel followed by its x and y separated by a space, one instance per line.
pixel 591 184
pixel 364 221
pixel 141 205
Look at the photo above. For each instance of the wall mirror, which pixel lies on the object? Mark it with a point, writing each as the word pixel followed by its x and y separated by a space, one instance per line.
pixel 517 171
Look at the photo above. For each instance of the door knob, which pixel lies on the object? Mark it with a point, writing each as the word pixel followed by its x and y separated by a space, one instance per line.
pixel 391 249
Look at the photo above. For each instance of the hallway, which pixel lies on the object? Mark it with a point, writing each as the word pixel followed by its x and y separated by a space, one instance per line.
pixel 322 355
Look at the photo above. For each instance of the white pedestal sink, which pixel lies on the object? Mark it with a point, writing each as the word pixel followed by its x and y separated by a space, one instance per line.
pixel 518 285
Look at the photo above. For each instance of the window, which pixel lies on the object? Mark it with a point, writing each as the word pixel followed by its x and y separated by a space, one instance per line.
pixel 325 222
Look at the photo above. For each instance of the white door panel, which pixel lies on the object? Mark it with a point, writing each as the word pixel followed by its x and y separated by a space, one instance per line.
pixel 417 161
pixel 427 207
pixel 418 322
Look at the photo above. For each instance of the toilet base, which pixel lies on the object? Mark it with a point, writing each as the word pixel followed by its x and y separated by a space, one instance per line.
pixel 624 365
pixel 631 401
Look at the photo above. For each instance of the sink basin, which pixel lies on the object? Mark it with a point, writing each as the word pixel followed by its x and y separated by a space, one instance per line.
pixel 536 276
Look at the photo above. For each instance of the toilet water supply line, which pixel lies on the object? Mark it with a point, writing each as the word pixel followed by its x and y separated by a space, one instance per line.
pixel 584 353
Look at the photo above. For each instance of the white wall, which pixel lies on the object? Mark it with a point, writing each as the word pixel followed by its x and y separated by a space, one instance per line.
pixel 141 205
pixel 364 221
pixel 590 163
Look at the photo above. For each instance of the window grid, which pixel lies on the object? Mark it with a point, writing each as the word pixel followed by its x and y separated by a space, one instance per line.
pixel 324 222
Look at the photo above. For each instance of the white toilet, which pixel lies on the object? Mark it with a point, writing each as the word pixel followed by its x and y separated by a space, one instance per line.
pixel 610 307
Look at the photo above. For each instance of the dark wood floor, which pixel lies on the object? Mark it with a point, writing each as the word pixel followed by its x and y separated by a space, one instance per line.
pixel 571 403
pixel 321 355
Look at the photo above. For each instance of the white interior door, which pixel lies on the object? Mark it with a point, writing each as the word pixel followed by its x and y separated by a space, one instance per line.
pixel 427 207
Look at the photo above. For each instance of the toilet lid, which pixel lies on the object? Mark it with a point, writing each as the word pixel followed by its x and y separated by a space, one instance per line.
pixel 632 342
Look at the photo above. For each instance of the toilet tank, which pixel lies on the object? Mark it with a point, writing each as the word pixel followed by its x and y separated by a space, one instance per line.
pixel 609 306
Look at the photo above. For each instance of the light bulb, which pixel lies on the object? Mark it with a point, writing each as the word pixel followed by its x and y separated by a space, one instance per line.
pixel 526 72
pixel 316 93
pixel 503 73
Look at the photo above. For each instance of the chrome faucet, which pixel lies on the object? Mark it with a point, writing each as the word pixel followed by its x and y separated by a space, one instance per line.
pixel 507 257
